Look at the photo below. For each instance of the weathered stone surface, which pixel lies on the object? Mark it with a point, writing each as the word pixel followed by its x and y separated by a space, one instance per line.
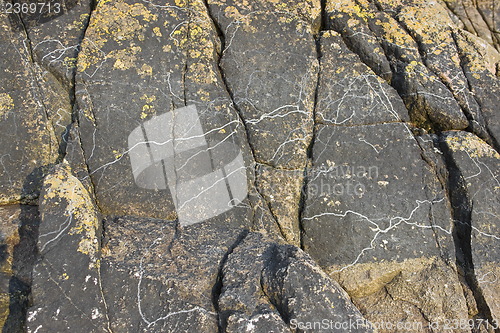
pixel 55 39
pixel 421 90
pixel 140 62
pixel 76 159
pixel 193 125
pixel 266 286
pixel 282 190
pixel 475 172
pixel 349 93
pixel 349 19
pixel 270 65
pixel 478 17
pixel 410 298
pixel 366 220
pixel 18 231
pixel 9 238
pixel 353 168
pixel 159 277
pixel 28 141
pixel 66 290
pixel 435 42
pixel 243 304
pixel 483 84
pixel 303 293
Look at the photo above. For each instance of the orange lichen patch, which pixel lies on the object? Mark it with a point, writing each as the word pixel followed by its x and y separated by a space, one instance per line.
pixel 472 145
pixel 6 104
pixel 79 24
pixel 429 22
pixel 308 11
pixel 62 186
pixel 125 58
pixel 394 34
pixel 157 32
pixel 115 20
pixel 244 20
pixel 145 70
pixel 148 108
pixel 351 8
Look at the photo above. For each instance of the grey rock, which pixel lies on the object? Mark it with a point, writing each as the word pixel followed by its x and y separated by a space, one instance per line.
pixel 346 18
pixel 29 144
pixel 349 92
pixel 474 182
pixel 270 287
pixel 139 65
pixel 66 290
pixel 159 277
pixel 257 74
pixel 366 220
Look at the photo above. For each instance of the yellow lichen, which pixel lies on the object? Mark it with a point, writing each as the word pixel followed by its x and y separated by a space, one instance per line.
pixel 115 20
pixel 148 108
pixel 125 58
pixel 64 186
pixel 471 144
pixel 145 70
pixel 6 104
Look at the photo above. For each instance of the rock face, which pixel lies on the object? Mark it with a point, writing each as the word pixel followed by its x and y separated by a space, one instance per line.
pixel 66 278
pixel 475 173
pixel 250 166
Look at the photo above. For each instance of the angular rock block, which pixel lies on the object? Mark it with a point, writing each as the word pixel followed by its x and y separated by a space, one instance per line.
pixel 158 277
pixel 66 286
pixel 483 85
pixel 270 66
pixel 475 176
pixel 195 278
pixel 55 36
pixel 350 93
pixel 28 142
pixel 148 87
pixel 268 287
pixel 376 212
pixel 349 19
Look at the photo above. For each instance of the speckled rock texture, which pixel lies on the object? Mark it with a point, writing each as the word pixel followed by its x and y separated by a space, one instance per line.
pixel 250 166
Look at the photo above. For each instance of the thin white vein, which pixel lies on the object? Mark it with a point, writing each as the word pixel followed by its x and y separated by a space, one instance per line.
pixel 5 169
pixel 139 300
pixel 210 187
pixel 374 148
pixel 393 223
pixel 483 279
pixel 63 226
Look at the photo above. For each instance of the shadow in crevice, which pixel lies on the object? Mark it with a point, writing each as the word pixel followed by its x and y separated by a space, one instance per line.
pixel 461 205
pixel 24 257
pixel 25 253
pixel 217 288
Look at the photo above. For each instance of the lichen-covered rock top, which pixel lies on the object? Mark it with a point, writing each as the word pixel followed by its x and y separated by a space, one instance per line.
pixel 249 166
